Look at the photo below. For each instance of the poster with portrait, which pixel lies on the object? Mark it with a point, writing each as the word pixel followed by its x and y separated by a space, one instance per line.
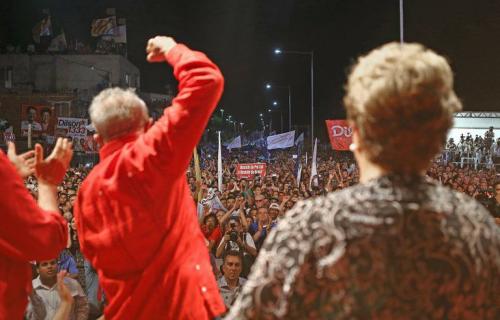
pixel 42 119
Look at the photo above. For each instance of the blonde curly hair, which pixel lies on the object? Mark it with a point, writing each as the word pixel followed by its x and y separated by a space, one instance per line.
pixel 401 99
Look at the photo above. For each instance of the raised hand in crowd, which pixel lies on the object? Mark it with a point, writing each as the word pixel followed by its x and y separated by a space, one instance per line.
pixel 64 310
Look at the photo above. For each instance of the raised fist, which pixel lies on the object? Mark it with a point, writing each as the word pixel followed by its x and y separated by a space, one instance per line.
pixel 158 47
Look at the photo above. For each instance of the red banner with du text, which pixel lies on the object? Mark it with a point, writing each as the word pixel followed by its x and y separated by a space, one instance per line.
pixel 249 170
pixel 340 134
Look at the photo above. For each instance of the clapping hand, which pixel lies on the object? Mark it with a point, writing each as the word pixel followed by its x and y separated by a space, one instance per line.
pixel 52 169
pixel 24 163
pixel 62 289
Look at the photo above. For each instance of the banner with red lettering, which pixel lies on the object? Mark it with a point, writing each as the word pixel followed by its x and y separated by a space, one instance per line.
pixel 249 170
pixel 340 134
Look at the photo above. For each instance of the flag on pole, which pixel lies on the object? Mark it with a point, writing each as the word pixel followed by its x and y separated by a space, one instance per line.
pixel 300 139
pixel 219 166
pixel 196 160
pixel 42 28
pixel 298 162
pixel 103 27
pixel 213 201
pixel 299 173
pixel 298 165
pixel 197 171
pixel 235 144
pixel 314 167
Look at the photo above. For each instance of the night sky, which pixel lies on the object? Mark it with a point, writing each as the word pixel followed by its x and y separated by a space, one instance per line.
pixel 240 35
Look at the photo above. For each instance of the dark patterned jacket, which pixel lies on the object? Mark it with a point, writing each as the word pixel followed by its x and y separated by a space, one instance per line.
pixel 393 248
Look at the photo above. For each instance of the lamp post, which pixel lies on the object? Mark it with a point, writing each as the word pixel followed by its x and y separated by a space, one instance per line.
pixel 281 114
pixel 311 56
pixel 222 119
pixel 269 86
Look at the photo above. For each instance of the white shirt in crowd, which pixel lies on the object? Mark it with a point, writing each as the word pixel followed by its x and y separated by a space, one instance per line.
pixel 229 295
pixel 50 298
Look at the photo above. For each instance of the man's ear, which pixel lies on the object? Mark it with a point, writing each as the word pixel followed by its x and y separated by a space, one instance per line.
pixel 149 124
pixel 98 139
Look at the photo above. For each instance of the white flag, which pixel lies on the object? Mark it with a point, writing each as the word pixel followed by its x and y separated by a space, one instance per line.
pixel 299 173
pixel 235 144
pixel 219 166
pixel 279 141
pixel 213 201
pixel 314 167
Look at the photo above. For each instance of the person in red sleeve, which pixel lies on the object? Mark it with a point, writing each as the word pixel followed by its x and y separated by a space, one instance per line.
pixel 28 231
pixel 135 216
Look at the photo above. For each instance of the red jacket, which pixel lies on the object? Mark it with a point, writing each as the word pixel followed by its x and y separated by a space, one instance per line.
pixel 26 233
pixel 135 216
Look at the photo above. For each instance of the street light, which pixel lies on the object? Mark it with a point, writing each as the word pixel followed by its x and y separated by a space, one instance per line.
pixel 275 103
pixel 311 55
pixel 281 116
pixel 289 88
pixel 222 117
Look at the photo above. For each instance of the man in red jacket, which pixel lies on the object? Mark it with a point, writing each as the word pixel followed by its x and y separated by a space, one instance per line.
pixel 28 231
pixel 135 216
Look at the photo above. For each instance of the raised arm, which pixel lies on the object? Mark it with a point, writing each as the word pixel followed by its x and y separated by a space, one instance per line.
pixel 172 138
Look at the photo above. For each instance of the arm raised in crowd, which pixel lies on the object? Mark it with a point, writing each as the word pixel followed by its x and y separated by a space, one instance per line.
pixel 173 137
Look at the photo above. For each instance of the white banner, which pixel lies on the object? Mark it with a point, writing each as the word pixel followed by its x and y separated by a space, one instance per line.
pixel 71 127
pixel 279 141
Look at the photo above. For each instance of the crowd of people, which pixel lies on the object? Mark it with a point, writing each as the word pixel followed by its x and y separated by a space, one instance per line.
pixel 479 151
pixel 237 220
pixel 148 240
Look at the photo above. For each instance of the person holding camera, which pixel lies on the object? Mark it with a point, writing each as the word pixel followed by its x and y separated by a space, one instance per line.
pixel 235 239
